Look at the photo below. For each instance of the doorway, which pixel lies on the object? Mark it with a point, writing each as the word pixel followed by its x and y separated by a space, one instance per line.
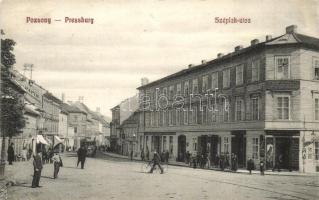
pixel 238 147
pixel 181 140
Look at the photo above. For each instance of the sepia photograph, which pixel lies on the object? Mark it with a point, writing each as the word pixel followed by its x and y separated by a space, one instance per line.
pixel 159 100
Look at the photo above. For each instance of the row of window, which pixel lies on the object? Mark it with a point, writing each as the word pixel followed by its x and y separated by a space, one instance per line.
pixel 282 71
pixel 212 114
pixel 217 112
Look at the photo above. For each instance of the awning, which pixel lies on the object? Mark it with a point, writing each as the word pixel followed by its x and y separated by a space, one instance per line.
pixel 57 140
pixel 40 139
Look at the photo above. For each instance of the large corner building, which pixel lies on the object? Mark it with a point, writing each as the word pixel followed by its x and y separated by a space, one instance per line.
pixel 265 105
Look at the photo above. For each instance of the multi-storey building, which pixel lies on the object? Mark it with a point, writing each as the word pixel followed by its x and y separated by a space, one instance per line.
pixel 120 114
pixel 77 125
pixel 259 102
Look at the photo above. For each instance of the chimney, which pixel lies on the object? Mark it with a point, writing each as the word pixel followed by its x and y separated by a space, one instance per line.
pixel 144 81
pixel 190 66
pixel 63 97
pixel 98 109
pixel 239 47
pixel 204 61
pixel 219 55
pixel 268 37
pixel 81 99
pixel 254 42
pixel 291 29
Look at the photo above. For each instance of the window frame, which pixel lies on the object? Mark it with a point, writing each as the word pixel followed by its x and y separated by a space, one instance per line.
pixel 205 83
pixel 276 67
pixel 252 108
pixel 255 64
pixel 277 108
pixel 214 81
pixel 241 80
pixel 315 61
pixel 228 79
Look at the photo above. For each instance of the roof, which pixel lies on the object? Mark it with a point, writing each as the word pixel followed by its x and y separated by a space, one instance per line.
pixel 51 97
pixel 71 109
pixel 303 40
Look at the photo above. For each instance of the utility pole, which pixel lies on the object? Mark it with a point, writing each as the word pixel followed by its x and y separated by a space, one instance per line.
pixel 28 67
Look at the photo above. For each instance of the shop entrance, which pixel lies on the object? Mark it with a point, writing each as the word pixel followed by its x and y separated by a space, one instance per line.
pixel 287 150
pixel 181 140
pixel 213 140
pixel 157 143
pixel 238 147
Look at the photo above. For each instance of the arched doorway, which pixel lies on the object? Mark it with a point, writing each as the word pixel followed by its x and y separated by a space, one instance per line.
pixel 181 148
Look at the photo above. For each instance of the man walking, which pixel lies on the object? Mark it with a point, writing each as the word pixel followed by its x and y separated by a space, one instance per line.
pixel 156 161
pixel 57 163
pixel 81 156
pixel 10 154
pixel 37 165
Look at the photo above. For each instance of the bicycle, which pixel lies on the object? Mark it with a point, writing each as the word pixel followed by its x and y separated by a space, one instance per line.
pixel 147 166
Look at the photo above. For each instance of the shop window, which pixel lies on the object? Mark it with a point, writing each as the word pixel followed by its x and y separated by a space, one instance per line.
pixel 164 143
pixel 255 148
pixel 195 144
pixel 171 144
pixel 226 144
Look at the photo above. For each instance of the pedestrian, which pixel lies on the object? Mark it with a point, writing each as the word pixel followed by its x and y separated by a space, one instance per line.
pixel 222 162
pixel 250 165
pixel 131 155
pixel 57 163
pixel 166 156
pixel 81 156
pixel 24 154
pixel 10 154
pixel 37 166
pixel 147 154
pixel 278 163
pixel 262 168
pixel 142 155
pixel 29 154
pixel 156 161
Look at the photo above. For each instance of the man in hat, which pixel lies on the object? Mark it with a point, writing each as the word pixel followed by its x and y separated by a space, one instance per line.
pixel 37 165
pixel 156 161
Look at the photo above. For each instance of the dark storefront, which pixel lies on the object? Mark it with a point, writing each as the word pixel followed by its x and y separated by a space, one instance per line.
pixel 282 150
pixel 238 147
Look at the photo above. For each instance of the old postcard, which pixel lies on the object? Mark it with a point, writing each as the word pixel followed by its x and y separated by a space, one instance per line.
pixel 159 99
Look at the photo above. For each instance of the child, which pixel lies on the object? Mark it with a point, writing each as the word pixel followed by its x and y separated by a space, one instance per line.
pixel 57 163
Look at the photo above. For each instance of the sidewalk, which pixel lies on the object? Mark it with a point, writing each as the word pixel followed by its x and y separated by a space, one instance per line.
pixel 14 174
pixel 242 171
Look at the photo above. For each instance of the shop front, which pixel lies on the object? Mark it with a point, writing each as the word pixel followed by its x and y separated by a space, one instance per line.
pixel 282 150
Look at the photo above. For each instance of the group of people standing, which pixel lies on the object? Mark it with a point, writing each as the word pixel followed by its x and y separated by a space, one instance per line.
pixel 24 155
pixel 38 163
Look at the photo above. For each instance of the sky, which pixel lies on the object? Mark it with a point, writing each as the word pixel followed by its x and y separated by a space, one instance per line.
pixel 105 61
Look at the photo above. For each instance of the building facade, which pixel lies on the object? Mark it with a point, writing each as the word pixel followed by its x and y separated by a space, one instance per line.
pixel 258 102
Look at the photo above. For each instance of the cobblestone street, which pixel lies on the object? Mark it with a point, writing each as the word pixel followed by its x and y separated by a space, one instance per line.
pixel 113 178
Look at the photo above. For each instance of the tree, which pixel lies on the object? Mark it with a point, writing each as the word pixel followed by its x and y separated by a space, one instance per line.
pixel 12 120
